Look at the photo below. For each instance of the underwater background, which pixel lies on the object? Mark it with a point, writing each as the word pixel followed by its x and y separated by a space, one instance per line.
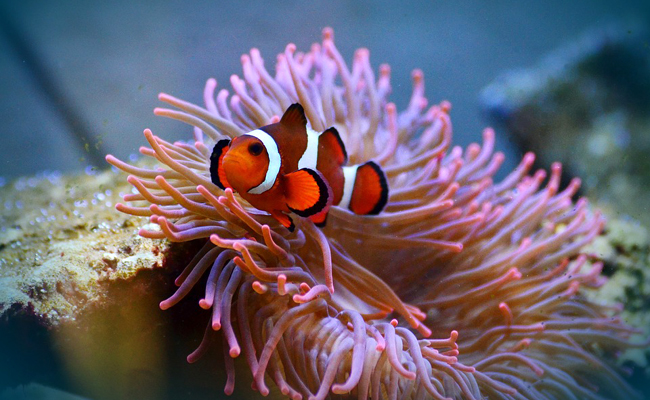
pixel 80 79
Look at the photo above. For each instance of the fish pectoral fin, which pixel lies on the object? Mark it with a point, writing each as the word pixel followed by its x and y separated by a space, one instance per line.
pixel 370 193
pixel 217 174
pixel 331 140
pixel 294 116
pixel 284 219
pixel 307 192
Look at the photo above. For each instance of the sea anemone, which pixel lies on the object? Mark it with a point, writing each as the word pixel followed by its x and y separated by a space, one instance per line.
pixel 460 288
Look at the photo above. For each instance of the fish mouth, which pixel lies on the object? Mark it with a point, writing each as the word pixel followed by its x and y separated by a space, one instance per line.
pixel 240 171
pixel 238 163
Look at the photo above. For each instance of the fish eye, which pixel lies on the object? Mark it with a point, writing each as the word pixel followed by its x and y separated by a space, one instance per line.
pixel 255 149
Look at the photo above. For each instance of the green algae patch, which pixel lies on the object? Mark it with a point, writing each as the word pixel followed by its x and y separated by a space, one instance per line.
pixel 62 242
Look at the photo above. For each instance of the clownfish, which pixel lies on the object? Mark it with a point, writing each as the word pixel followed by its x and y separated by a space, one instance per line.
pixel 288 167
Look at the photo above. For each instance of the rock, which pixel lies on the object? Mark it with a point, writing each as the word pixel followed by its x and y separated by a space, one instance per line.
pixel 62 243
pixel 79 292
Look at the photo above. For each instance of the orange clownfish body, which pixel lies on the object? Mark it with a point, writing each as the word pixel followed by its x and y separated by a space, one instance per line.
pixel 288 167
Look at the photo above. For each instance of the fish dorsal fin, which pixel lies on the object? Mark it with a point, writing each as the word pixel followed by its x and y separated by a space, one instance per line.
pixel 307 192
pixel 217 174
pixel 294 116
pixel 331 140
pixel 370 193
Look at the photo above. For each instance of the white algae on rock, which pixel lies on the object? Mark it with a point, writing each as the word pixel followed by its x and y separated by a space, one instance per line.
pixel 79 290
pixel 61 242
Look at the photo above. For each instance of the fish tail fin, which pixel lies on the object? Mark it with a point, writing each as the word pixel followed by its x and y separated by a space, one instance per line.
pixel 370 190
